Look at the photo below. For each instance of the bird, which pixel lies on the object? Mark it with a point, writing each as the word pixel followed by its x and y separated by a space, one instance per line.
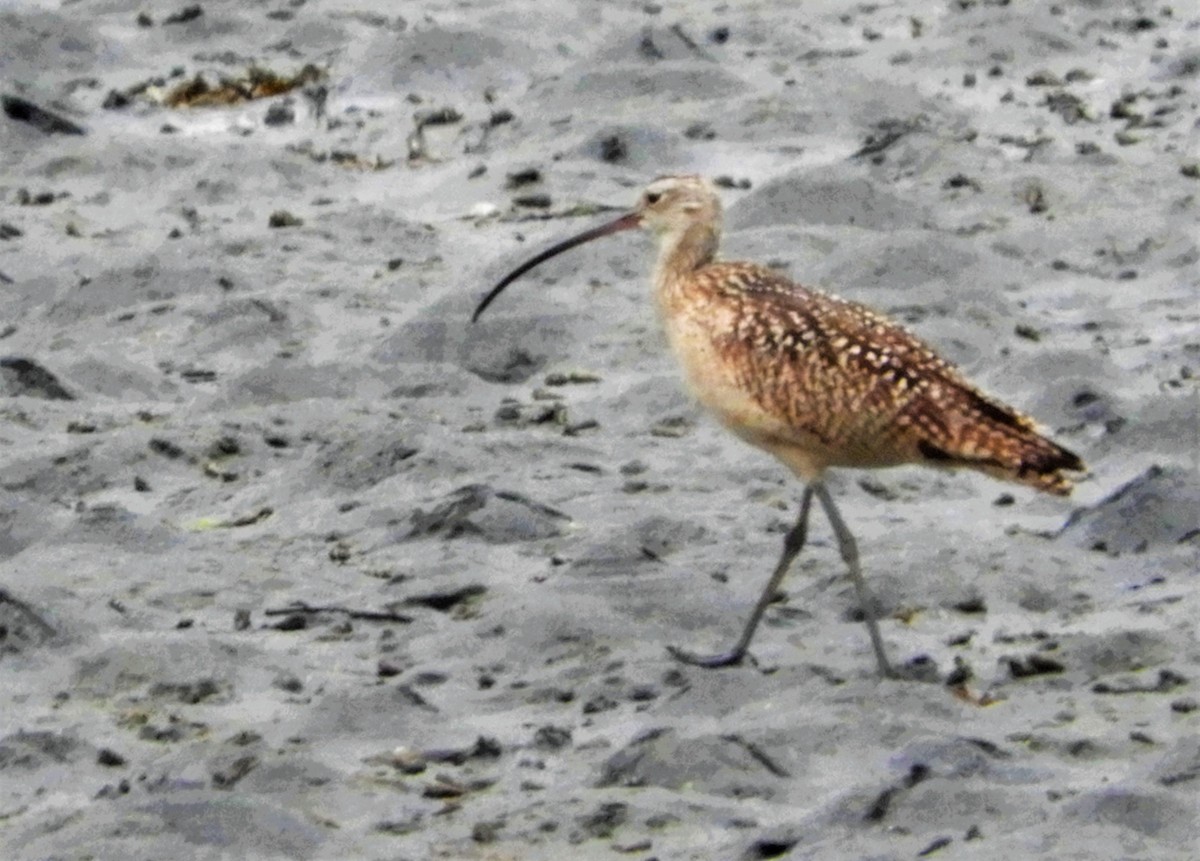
pixel 817 381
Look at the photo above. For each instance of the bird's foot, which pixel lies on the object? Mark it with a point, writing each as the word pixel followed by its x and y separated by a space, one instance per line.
pixel 732 658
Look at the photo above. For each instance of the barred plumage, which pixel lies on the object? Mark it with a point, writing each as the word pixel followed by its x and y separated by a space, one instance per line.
pixel 853 388
pixel 814 379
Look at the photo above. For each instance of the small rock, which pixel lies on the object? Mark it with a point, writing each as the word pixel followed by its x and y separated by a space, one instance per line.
pixel 1033 665
pixel 110 758
pixel 283 218
pixel 526 176
pixel 187 13
pixel 23 110
pixel 444 787
pixel 604 820
pixel 408 761
pixel 613 149
pixel 533 201
pixel 21 376
pixel 551 738
pixel 280 114
pixel 724 181
pixel 1043 79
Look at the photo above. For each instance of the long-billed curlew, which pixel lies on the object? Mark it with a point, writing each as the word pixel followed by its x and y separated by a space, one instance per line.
pixel 813 379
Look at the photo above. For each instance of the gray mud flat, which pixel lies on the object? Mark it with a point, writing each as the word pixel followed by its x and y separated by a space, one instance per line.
pixel 297 563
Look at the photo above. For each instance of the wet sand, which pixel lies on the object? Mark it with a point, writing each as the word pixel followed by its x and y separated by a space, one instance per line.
pixel 295 562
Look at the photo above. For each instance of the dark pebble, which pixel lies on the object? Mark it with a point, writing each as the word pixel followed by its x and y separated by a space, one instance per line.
pixel 21 376
pixel 25 111
pixel 280 114
pixel 282 218
pixel 551 738
pixel 526 176
pixel 613 149
pixel 187 13
pixel 109 758
pixel 533 201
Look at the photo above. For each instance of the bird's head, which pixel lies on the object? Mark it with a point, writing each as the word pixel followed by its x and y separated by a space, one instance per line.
pixel 672 204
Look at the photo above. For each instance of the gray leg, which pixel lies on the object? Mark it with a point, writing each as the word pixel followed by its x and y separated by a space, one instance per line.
pixel 792 544
pixel 849 551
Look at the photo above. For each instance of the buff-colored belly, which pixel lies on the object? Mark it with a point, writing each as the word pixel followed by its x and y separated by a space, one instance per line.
pixel 714 382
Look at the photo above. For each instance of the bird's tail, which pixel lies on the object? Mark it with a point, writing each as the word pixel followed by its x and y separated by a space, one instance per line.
pixel 1041 464
pixel 1001 442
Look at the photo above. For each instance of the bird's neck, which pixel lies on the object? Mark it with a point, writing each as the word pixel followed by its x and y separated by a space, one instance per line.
pixel 679 256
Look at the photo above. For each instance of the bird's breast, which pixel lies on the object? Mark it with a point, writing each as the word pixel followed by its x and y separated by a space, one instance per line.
pixel 774 389
pixel 718 373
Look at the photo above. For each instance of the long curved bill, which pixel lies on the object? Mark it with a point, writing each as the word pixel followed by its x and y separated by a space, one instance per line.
pixel 628 221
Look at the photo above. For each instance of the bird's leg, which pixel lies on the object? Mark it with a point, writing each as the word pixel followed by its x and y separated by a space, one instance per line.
pixel 793 542
pixel 849 551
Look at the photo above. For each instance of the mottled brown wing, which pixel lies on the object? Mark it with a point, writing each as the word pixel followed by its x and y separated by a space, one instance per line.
pixel 872 390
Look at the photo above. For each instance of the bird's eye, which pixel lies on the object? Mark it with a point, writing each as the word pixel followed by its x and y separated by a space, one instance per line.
pixel 653 197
